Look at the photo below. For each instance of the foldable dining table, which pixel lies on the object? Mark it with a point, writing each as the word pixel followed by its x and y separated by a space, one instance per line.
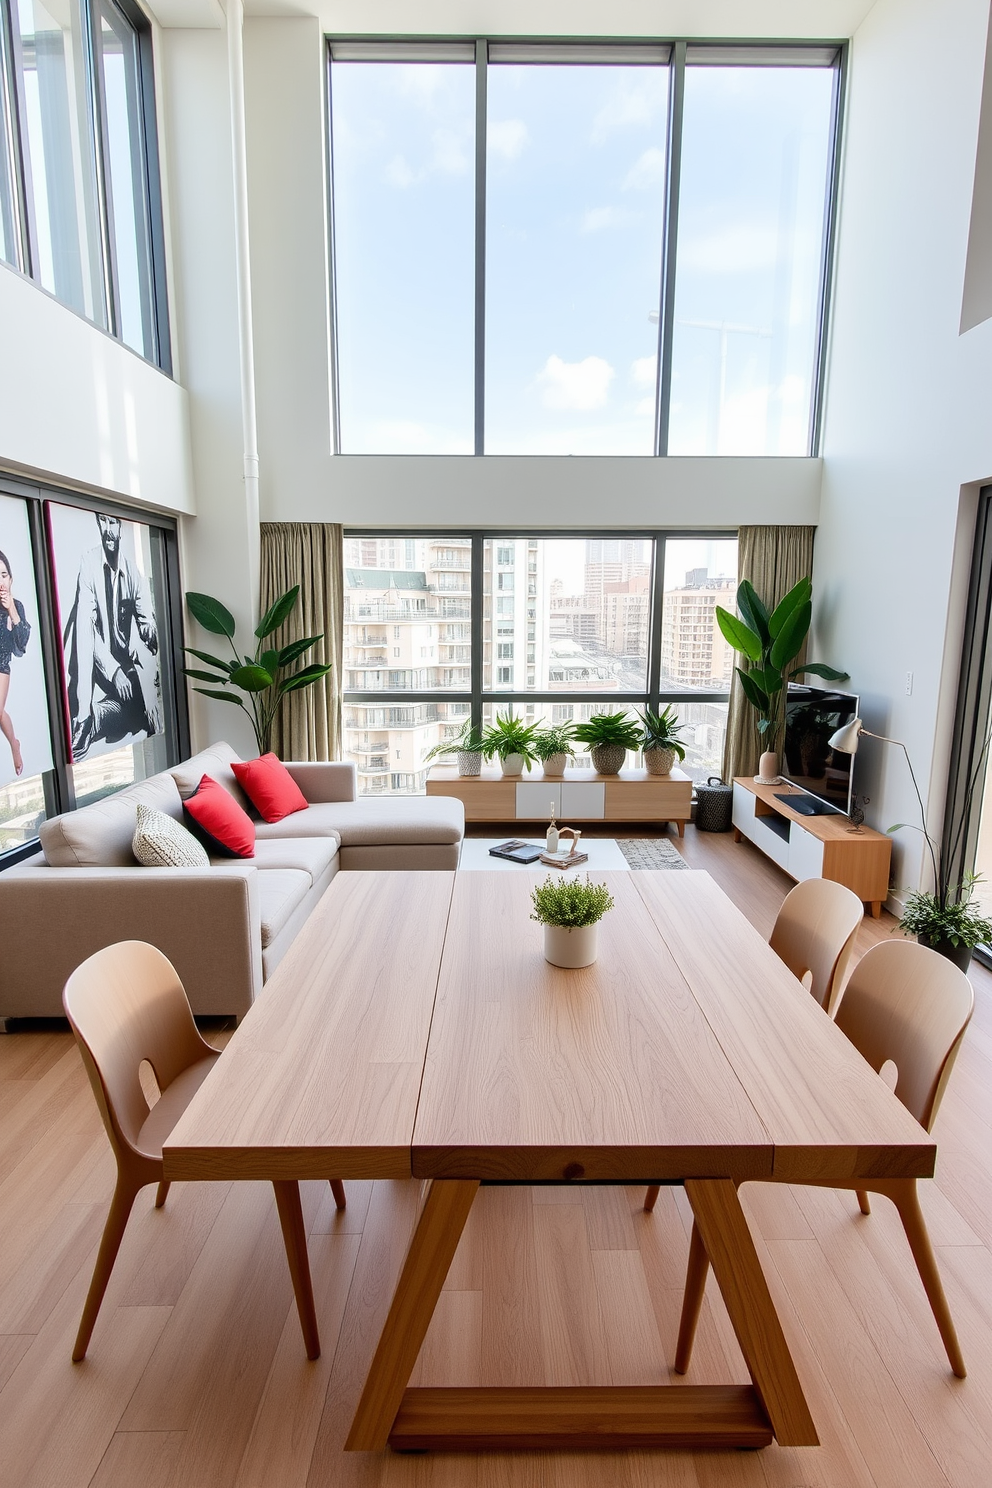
pixel 414 1030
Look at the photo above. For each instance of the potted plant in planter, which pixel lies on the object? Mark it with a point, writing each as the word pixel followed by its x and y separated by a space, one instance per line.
pixel 660 743
pixel 770 641
pixel 608 736
pixel 951 925
pixel 511 741
pixel 570 910
pixel 466 745
pixel 553 747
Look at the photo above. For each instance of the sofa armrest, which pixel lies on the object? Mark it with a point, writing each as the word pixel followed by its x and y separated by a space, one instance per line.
pixel 205 920
pixel 325 780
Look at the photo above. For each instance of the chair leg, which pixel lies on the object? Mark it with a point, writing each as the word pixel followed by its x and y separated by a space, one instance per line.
pixel 906 1200
pixel 864 1201
pixel 651 1197
pixel 337 1189
pixel 113 1233
pixel 695 1285
pixel 163 1190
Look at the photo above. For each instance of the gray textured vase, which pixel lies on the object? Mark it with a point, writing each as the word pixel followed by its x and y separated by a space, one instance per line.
pixel 659 761
pixel 608 759
pixel 469 762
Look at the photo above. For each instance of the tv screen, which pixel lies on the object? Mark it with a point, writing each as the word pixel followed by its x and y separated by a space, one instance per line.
pixel 812 714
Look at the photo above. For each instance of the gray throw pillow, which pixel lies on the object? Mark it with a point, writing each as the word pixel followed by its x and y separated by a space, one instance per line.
pixel 162 842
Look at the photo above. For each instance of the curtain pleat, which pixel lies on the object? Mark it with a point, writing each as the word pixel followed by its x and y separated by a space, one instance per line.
pixel 774 559
pixel 308 723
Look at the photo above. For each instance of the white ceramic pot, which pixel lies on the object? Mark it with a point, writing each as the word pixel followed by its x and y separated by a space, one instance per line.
pixel 571 945
pixel 768 769
pixel 555 764
pixel 469 762
pixel 512 764
pixel 659 761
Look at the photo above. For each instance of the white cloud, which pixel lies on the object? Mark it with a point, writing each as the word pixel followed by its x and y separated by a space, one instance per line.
pixel 648 170
pixel 575 385
pixel 632 104
pixel 448 158
pixel 400 173
pixel 598 218
pixel 644 371
pixel 738 250
pixel 507 139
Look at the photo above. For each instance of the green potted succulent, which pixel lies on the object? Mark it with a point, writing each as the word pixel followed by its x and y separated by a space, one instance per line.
pixel 570 910
pixel 952 926
pixel 553 747
pixel 660 742
pixel 511 741
pixel 608 736
pixel 467 747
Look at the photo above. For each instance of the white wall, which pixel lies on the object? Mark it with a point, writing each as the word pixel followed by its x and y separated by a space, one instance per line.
pixel 907 425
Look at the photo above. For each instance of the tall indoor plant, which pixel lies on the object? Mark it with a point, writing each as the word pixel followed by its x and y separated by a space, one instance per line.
pixel 259 679
pixel 770 641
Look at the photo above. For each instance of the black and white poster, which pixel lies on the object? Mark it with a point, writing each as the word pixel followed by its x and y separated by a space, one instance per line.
pixel 110 641
pixel 25 737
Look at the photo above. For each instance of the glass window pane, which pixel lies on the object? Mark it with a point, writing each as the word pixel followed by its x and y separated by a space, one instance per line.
pixel 388 742
pixel 22 810
pixel 755 159
pixel 49 53
pixel 105 774
pixel 9 241
pixel 404 232
pixel 127 196
pixel 574 214
pixel 699 575
pixel 577 612
pixel 704 728
pixel 407 616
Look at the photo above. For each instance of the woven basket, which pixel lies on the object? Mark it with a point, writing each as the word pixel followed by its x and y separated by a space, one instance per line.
pixel 607 759
pixel 659 761
pixel 714 806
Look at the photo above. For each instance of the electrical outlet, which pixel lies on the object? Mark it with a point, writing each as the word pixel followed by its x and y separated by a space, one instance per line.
pixel 909 684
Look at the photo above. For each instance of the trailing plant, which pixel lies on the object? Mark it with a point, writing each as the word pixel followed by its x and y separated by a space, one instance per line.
pixel 556 738
pixel 508 735
pixel 468 740
pixel 956 920
pixel 662 730
pixel 770 642
pixel 616 729
pixel 570 902
pixel 255 684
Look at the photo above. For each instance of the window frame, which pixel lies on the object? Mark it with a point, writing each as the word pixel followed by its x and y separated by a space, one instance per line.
pixel 674 53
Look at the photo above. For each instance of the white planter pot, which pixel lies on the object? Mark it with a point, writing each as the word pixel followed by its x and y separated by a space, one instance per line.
pixel 512 764
pixel 571 945
pixel 768 769
pixel 555 764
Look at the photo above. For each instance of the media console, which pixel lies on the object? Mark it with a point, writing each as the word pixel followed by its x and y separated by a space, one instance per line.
pixel 578 795
pixel 813 846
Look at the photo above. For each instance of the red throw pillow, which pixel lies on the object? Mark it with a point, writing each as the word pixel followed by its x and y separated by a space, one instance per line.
pixel 219 822
pixel 269 787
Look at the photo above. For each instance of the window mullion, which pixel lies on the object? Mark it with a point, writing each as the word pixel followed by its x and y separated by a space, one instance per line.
pixel 481 63
pixel 666 316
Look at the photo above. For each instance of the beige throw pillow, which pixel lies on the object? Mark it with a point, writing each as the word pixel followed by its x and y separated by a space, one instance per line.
pixel 161 842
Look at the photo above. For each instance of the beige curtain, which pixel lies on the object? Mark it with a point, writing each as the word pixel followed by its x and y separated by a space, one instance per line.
pixel 774 559
pixel 308 724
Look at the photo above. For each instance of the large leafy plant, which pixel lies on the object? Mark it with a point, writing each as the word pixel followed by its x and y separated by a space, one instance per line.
pixel 507 735
pixel 771 641
pixel 616 729
pixel 255 684
pixel 662 730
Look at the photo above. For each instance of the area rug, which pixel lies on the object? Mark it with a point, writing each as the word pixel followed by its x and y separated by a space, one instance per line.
pixel 650 852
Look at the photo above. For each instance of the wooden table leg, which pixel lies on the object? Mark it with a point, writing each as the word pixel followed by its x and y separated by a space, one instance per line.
pixel 432 1248
pixel 724 1232
pixel 294 1236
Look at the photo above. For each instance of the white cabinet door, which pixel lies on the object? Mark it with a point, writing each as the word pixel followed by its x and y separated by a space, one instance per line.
pixel 743 817
pixel 536 799
pixel 805 854
pixel 583 800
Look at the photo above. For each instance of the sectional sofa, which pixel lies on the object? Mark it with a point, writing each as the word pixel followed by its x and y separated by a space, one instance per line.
pixel 226 927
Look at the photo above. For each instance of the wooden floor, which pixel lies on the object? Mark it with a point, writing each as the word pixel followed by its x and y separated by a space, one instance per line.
pixel 197 1376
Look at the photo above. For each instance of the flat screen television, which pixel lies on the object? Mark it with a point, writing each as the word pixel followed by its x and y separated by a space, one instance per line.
pixel 812 714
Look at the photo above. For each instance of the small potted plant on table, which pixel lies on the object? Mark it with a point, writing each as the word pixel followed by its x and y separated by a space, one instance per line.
pixel 553 747
pixel 466 746
pixel 570 910
pixel 511 741
pixel 660 744
pixel 608 736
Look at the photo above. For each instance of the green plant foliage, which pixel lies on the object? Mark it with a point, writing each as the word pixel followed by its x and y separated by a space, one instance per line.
pixel 508 735
pixel 955 920
pixel 770 642
pixel 570 901
pixel 468 740
pixel 618 729
pixel 662 730
pixel 257 677
pixel 554 739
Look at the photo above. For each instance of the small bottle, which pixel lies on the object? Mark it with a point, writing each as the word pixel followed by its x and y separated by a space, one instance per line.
pixel 551 841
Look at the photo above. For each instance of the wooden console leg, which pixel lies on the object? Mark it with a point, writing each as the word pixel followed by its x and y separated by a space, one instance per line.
pixel 432 1249
pixel 738 836
pixel 681 827
pixel 724 1232
pixel 876 909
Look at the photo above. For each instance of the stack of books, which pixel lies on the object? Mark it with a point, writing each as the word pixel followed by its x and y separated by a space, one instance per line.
pixel 564 860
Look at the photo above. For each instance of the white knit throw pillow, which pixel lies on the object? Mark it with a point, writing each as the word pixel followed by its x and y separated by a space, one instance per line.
pixel 162 842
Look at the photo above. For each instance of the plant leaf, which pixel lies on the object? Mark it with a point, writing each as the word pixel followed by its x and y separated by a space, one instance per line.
pixel 753 610
pixel 277 613
pixel 799 594
pixel 214 661
pixel 769 679
pixel 270 661
pixel 221 697
pixel 305 679
pixel 789 641
pixel 738 635
pixel 755 696
pixel 820 669
pixel 211 614
pixel 296 649
pixel 204 676
pixel 251 678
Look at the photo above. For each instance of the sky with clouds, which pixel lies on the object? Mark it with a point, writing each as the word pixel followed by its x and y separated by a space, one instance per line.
pixel 575 203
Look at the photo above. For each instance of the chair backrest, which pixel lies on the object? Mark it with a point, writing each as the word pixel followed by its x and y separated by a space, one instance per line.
pixel 907 1004
pixel 815 933
pixel 126 1004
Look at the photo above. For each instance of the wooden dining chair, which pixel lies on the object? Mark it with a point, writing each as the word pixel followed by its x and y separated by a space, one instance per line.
pixel 127 1007
pixel 814 935
pixel 906 1008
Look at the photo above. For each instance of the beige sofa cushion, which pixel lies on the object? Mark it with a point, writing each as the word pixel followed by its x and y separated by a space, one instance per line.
pixel 215 762
pixel 310 855
pixel 280 893
pixel 370 821
pixel 99 835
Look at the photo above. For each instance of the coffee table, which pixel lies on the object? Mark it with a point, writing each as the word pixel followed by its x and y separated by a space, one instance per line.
pixel 604 856
pixel 415 1030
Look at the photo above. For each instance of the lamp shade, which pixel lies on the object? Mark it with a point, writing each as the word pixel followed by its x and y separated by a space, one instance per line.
pixel 846 738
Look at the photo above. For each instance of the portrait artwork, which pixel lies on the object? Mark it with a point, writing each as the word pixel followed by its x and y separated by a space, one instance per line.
pixel 25 735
